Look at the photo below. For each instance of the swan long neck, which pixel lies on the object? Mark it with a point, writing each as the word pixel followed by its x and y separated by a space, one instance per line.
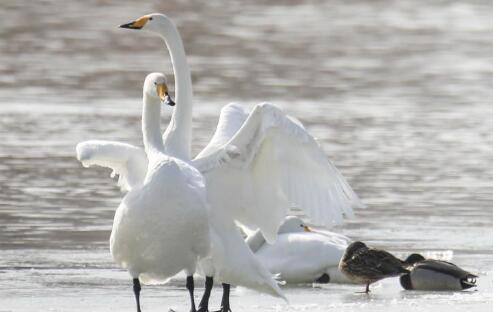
pixel 178 135
pixel 151 129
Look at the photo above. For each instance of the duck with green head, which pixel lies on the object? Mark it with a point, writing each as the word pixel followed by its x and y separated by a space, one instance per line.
pixel 430 274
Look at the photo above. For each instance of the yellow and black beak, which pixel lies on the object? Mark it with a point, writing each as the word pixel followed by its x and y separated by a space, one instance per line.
pixel 137 24
pixel 162 92
pixel 306 228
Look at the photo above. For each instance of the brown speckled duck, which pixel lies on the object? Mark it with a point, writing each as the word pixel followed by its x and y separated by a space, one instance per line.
pixel 429 274
pixel 365 265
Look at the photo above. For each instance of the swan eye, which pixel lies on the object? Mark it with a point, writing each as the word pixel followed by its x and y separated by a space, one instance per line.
pixel 155 83
pixel 150 18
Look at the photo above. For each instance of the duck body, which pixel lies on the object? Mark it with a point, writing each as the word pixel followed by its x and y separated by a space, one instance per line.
pixel 365 265
pixel 429 274
pixel 159 228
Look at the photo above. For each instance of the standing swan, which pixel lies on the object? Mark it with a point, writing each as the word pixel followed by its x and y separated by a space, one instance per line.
pixel 256 166
pixel 264 156
pixel 229 253
pixel 160 227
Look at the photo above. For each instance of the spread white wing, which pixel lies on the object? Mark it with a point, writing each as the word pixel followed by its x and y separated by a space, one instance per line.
pixel 127 161
pixel 257 167
pixel 231 118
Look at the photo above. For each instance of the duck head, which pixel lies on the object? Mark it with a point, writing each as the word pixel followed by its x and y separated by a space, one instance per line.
pixel 414 258
pixel 352 248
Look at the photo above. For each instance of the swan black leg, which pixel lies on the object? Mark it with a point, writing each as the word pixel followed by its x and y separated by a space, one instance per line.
pixel 204 303
pixel 190 287
pixel 225 300
pixel 137 289
pixel 367 288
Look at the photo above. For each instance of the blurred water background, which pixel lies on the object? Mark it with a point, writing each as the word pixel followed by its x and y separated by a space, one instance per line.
pixel 398 92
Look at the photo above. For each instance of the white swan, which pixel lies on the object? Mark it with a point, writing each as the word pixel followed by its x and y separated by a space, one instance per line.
pixel 277 163
pixel 257 165
pixel 301 254
pixel 160 227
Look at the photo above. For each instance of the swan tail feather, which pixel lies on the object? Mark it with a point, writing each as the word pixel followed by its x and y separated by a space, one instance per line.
pixel 235 264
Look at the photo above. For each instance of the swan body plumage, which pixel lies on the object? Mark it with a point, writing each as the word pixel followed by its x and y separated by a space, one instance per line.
pixel 301 254
pixel 160 228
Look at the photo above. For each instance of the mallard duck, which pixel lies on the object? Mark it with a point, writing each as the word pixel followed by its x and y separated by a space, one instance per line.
pixel 429 274
pixel 365 265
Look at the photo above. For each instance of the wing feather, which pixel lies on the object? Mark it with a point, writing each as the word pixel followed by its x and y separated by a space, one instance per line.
pixel 231 119
pixel 127 161
pixel 287 168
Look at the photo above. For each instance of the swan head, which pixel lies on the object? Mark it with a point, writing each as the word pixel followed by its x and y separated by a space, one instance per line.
pixel 293 224
pixel 154 22
pixel 155 86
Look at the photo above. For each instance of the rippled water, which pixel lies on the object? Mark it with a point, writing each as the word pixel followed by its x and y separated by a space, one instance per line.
pixel 399 95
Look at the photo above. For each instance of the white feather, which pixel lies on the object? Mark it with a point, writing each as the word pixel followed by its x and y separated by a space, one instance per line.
pixel 127 161
pixel 161 226
pixel 270 164
pixel 299 256
pixel 257 166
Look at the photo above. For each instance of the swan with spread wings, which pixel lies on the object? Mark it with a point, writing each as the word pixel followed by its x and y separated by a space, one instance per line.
pixel 258 165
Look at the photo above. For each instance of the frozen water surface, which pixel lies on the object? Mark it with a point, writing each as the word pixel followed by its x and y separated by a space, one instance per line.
pixel 86 280
pixel 398 93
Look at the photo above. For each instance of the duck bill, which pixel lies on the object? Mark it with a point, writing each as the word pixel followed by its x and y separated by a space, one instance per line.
pixel 307 229
pixel 162 91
